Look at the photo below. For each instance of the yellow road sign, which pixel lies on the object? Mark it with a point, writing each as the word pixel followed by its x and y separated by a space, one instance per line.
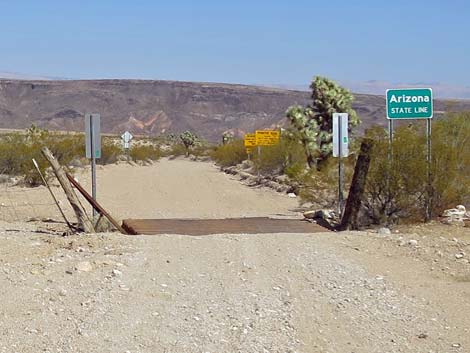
pixel 250 140
pixel 267 137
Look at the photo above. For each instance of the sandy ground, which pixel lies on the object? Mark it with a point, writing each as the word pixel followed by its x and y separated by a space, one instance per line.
pixel 327 292
pixel 168 189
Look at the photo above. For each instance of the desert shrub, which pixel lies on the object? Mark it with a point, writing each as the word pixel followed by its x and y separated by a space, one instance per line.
pixel 67 147
pixel 288 156
pixel 145 152
pixel 450 169
pixel 270 159
pixel 17 151
pixel 320 186
pixel 16 158
pixel 176 149
pixel 110 152
pixel 230 154
pixel 397 188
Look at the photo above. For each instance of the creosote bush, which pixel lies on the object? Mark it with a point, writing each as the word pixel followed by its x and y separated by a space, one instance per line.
pixel 397 187
pixel 320 186
pixel 229 154
pixel 17 151
pixel 145 152
pixel 287 156
pixel 110 152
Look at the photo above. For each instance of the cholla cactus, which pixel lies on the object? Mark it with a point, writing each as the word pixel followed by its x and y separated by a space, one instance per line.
pixel 315 122
pixel 189 140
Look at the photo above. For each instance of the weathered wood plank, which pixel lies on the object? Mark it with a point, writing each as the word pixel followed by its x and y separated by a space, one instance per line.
pixel 83 220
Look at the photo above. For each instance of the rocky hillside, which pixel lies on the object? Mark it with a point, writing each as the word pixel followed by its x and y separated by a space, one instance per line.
pixel 156 107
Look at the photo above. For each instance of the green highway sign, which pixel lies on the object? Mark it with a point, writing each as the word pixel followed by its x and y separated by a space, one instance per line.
pixel 409 103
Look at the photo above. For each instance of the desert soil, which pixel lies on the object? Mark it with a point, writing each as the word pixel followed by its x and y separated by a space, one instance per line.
pixel 408 291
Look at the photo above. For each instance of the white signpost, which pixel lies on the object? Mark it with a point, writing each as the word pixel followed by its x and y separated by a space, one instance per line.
pixel 340 149
pixel 126 139
pixel 93 147
pixel 340 135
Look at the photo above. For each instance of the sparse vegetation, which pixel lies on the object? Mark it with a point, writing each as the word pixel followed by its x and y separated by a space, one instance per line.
pixel 398 188
pixel 230 154
pixel 145 152
pixel 110 152
pixel 17 151
pixel 287 155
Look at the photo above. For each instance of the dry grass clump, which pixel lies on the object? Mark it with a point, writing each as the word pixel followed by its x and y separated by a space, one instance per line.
pixel 145 152
pixel 229 154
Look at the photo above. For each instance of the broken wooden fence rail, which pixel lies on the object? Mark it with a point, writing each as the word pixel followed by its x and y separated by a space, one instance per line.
pixel 95 204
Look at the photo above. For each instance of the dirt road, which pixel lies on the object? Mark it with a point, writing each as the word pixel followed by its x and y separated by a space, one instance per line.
pixel 325 292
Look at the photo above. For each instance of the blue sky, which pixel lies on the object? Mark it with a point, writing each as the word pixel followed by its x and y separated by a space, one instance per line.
pixel 265 42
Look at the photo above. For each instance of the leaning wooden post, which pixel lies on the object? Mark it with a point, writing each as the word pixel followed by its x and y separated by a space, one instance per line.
pixel 83 221
pixel 356 191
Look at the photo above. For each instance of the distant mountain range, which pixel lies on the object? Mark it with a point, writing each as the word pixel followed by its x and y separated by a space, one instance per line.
pixel 158 107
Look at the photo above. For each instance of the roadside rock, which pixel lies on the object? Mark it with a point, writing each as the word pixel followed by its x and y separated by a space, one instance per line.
pixel 84 266
pixel 384 231
pixel 456 216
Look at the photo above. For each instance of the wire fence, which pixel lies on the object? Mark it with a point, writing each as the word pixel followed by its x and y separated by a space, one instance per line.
pixel 21 202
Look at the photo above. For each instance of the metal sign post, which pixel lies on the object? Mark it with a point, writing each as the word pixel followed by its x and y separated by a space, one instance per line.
pixel 340 149
pixel 428 157
pixel 93 148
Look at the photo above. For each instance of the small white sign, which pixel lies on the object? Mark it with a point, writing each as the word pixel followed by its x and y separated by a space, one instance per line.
pixel 340 134
pixel 126 139
pixel 92 135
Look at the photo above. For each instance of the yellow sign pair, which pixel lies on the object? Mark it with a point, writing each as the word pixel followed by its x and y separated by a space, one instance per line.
pixel 262 138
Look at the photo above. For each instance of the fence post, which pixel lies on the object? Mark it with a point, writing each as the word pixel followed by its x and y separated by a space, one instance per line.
pixel 83 220
pixel 356 191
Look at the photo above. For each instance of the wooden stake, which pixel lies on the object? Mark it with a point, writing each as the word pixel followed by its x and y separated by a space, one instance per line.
pixel 83 220
pixel 356 191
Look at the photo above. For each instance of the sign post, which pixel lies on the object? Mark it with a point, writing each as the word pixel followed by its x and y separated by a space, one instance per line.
pixel 93 147
pixel 340 150
pixel 413 103
pixel 250 143
pixel 126 142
